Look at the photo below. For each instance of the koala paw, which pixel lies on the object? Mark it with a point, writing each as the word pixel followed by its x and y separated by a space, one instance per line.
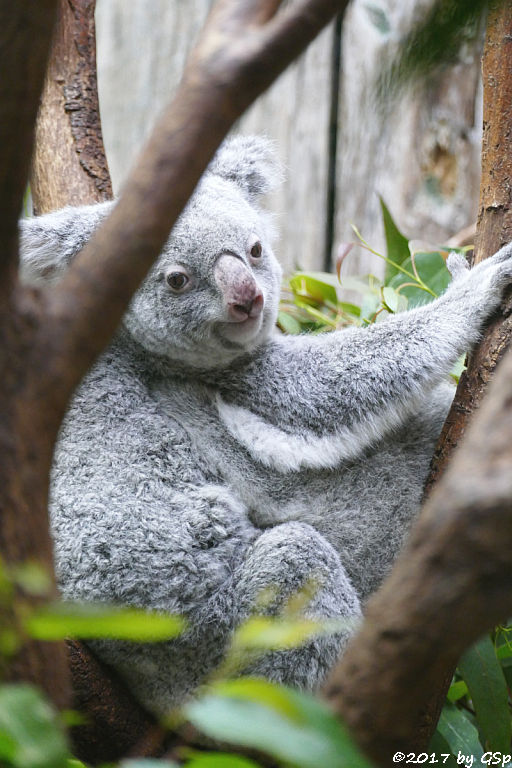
pixel 457 265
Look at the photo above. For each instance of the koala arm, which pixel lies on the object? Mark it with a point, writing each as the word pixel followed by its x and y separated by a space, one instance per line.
pixel 48 243
pixel 313 401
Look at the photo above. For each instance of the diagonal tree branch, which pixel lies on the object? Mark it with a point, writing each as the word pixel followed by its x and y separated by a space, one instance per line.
pixel 235 60
pixel 25 35
pixel 451 583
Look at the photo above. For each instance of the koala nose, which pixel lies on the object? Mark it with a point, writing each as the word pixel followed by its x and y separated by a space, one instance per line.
pixel 241 293
pixel 249 308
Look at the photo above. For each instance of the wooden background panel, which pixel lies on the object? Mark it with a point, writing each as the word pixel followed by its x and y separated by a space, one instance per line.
pixel 142 46
pixel 423 157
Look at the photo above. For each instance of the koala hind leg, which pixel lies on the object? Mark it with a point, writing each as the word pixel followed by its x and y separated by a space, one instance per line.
pixel 286 558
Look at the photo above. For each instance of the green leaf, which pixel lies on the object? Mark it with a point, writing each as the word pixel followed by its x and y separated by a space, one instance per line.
pixel 394 301
pixel 397 245
pixel 457 691
pixel 270 633
pixel 29 729
pixel 148 763
pixel 93 620
pixel 459 732
pixel 350 309
pixel 458 369
pixel 288 323
pixel 432 269
pixel 319 289
pixel 440 747
pixel 487 687
pixel 32 578
pixel 219 760
pixel 369 306
pixel 286 724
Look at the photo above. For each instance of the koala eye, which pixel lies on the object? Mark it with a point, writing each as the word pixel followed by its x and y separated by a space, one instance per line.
pixel 177 281
pixel 256 251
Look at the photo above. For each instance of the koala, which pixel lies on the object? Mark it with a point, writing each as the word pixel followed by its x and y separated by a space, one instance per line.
pixel 205 460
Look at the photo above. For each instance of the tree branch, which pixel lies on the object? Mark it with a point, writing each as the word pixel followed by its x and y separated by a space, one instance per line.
pixel 451 583
pixel 232 64
pixel 25 35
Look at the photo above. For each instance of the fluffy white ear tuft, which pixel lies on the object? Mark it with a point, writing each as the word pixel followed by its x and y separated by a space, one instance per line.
pixel 251 162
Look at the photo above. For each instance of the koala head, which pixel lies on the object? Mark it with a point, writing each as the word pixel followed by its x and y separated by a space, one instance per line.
pixel 213 293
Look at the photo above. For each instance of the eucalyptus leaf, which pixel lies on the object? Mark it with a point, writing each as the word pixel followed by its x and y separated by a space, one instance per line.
pixel 97 620
pixel 397 245
pixel 440 747
pixel 432 270
pixel 306 284
pixel 30 730
pixel 459 732
pixel 219 760
pixel 457 690
pixel 286 724
pixel 288 323
pixel 487 687
pixel 148 763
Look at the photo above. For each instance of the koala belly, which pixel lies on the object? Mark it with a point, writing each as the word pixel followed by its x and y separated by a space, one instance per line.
pixel 363 508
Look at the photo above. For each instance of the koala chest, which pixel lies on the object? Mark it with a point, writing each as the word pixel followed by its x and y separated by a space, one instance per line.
pixel 363 508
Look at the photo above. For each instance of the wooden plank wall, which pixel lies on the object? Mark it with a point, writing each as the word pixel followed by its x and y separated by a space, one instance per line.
pixel 423 157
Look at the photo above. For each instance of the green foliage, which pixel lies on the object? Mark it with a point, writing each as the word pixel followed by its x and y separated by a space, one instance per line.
pixel 290 726
pixel 397 245
pixel 487 689
pixel 94 620
pixel 31 734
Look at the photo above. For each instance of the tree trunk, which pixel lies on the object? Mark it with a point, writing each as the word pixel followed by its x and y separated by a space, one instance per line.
pixel 69 163
pixel 27 431
pixel 494 227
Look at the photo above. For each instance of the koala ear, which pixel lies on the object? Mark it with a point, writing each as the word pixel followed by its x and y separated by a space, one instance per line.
pixel 251 162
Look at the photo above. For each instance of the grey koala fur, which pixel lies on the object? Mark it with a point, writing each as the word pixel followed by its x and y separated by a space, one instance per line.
pixel 203 460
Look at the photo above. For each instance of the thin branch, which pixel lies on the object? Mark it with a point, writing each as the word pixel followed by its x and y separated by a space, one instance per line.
pixel 25 36
pixel 229 68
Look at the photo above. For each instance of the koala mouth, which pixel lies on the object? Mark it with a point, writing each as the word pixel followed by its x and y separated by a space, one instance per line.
pixel 240 332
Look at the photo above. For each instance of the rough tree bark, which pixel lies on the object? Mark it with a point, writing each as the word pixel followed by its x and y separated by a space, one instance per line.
pixel 69 167
pixel 51 335
pixel 420 622
pixel 494 226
